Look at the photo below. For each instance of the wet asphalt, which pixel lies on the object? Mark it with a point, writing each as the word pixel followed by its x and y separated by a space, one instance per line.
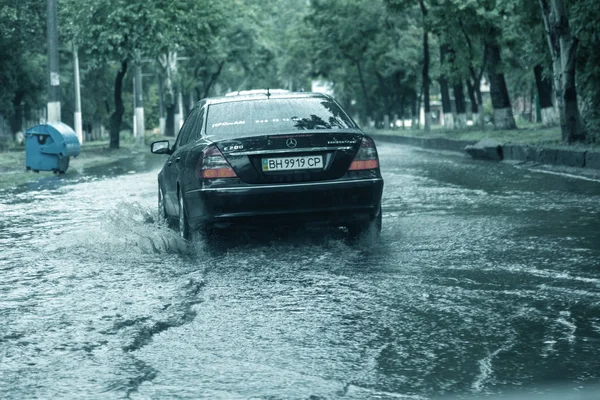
pixel 485 281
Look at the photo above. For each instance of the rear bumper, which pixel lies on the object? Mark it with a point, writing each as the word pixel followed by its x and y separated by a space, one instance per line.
pixel 324 203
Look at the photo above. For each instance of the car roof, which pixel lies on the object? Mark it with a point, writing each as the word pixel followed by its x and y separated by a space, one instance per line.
pixel 262 95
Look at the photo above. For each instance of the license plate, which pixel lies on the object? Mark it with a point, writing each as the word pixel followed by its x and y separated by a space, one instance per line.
pixel 292 163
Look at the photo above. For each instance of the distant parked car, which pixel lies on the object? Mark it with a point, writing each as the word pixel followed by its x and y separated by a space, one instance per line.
pixel 270 157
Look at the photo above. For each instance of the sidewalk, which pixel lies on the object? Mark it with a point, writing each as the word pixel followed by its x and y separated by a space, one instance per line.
pixel 93 154
pixel 518 147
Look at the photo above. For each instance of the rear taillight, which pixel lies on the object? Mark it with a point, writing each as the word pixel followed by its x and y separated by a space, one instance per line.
pixel 366 157
pixel 212 165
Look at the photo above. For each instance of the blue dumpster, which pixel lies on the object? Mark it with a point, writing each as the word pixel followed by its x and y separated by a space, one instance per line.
pixel 49 147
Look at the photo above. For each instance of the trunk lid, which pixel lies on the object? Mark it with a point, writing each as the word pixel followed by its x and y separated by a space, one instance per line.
pixel 298 157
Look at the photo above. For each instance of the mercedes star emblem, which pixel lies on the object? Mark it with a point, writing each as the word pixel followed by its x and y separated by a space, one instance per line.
pixel 291 143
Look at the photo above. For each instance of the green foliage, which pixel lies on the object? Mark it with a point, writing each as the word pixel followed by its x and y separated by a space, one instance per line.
pixel 585 17
pixel 520 55
pixel 112 30
pixel 124 32
pixel 22 73
pixel 373 61
pixel 97 86
pixel 245 51
pixel 340 44
pixel 371 51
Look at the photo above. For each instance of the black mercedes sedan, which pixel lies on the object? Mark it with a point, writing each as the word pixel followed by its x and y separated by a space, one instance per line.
pixel 270 157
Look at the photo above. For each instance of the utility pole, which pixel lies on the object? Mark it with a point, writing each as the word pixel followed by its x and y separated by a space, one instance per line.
pixel 139 104
pixel 53 63
pixel 134 116
pixel 179 111
pixel 77 116
pixel 161 105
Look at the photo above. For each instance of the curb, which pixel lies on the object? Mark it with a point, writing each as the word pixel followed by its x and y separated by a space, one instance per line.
pixel 428 143
pixel 510 151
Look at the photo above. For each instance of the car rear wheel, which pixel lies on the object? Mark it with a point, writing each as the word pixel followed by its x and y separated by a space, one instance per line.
pixel 184 227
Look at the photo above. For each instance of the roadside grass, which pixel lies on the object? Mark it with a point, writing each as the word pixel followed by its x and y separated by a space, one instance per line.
pixel 93 154
pixel 527 133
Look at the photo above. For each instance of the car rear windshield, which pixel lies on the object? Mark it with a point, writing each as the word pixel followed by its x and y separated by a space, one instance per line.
pixel 273 116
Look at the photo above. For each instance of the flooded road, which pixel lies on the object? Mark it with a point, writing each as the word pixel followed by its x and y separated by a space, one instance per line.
pixel 486 280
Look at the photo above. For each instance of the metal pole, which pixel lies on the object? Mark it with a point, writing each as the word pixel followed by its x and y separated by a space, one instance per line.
pixel 179 111
pixel 161 105
pixel 177 120
pixel 192 101
pixel 139 103
pixel 78 122
pixel 133 99
pixel 53 63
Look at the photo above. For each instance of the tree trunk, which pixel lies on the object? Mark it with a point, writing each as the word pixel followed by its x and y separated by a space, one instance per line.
pixel 448 117
pixel 364 90
pixel 384 87
pixel 474 87
pixel 473 100
pixel 401 115
pixel 503 115
pixel 563 48
pixel 461 106
pixel 208 84
pixel 401 109
pixel 16 120
pixel 445 90
pixel 415 111
pixel 480 116
pixel 401 96
pixel 426 82
pixel 575 128
pixel 170 121
pixel 117 115
pixel 554 46
pixel 544 90
pixel 531 104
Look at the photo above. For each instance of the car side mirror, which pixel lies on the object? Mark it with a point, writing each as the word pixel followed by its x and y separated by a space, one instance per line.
pixel 160 147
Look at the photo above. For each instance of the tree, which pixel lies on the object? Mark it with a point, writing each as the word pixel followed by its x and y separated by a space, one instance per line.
pixel 503 114
pixel 563 49
pixel 476 71
pixel 347 38
pixel 248 51
pixel 411 56
pixel 486 19
pixel 119 31
pixel 379 64
pixel 426 58
pixel 460 104
pixel 584 16
pixel 190 30
pixel 530 64
pixel 22 61
pixel 444 88
pixel 110 31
